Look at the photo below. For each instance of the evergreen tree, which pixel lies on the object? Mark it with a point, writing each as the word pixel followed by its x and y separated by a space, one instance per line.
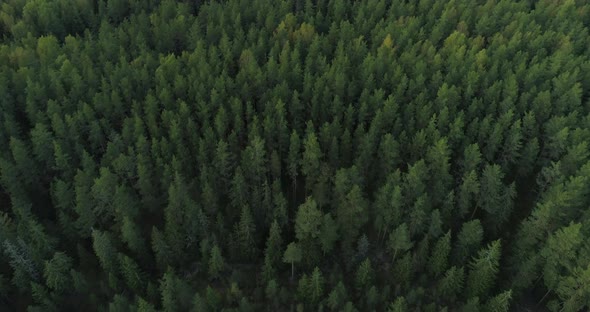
pixel 468 240
pixel 311 157
pixel 399 305
pixel 104 250
pixel 364 275
pixel 399 240
pixel 216 262
pixel 439 258
pixel 244 233
pixel 499 303
pixel 452 283
pixel 337 296
pixel 292 255
pixel 274 244
pixel 293 160
pixel 57 272
pixel 131 273
pixel 483 270
pixel 316 283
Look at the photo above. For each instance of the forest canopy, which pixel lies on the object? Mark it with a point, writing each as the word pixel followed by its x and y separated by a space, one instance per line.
pixel 299 155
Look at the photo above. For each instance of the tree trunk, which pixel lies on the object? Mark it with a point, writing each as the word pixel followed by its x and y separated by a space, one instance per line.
pixel 473 214
pixel 547 293
pixel 294 189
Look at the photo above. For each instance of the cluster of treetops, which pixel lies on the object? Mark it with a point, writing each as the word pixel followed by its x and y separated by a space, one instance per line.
pixel 294 155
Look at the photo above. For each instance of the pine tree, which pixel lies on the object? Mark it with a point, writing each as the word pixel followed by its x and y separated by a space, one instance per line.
pixel 574 290
pixel 102 191
pixel 244 232
pixel 57 272
pixel 307 226
pixel 144 306
pixel 176 214
pixel 131 273
pixel 328 233
pixel 499 303
pixel 439 258
pixel 271 292
pixel 561 253
pixel 494 198
pixel 316 283
pixel 292 255
pixel 199 304
pixel 399 305
pixel 161 249
pixel 239 189
pixel 293 159
pixel 399 240
pixel 268 269
pixel 280 204
pixel 304 289
pixel 104 250
pixel 274 244
pixel 388 204
pixel 131 234
pixel 468 241
pixel 468 192
pixel 364 275
pixel 437 158
pixel 216 262
pixel 168 288
pixel 311 157
pixel 451 284
pixel 483 270
pixel 337 296
pixel 223 164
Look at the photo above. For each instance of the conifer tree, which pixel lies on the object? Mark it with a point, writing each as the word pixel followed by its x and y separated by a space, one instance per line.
pixel 439 258
pixel 316 283
pixel 399 240
pixel 244 232
pixel 292 255
pixel 216 262
pixel 483 270
pixel 57 272
pixel 311 157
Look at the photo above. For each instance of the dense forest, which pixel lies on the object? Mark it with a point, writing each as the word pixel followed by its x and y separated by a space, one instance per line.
pixel 298 155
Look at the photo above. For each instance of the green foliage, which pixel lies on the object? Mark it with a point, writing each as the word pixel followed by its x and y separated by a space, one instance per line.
pixel 308 221
pixel 216 262
pixel 328 233
pixel 175 293
pixel 469 240
pixel 451 284
pixel 399 305
pixel 57 271
pixel 399 240
pixel 244 232
pixel 316 283
pixel 150 146
pixel 483 270
pixel 499 303
pixel 337 296
pixel 104 250
pixel 274 244
pixel 440 254
pixel 310 159
pixel 132 273
pixel 364 275
pixel 292 255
